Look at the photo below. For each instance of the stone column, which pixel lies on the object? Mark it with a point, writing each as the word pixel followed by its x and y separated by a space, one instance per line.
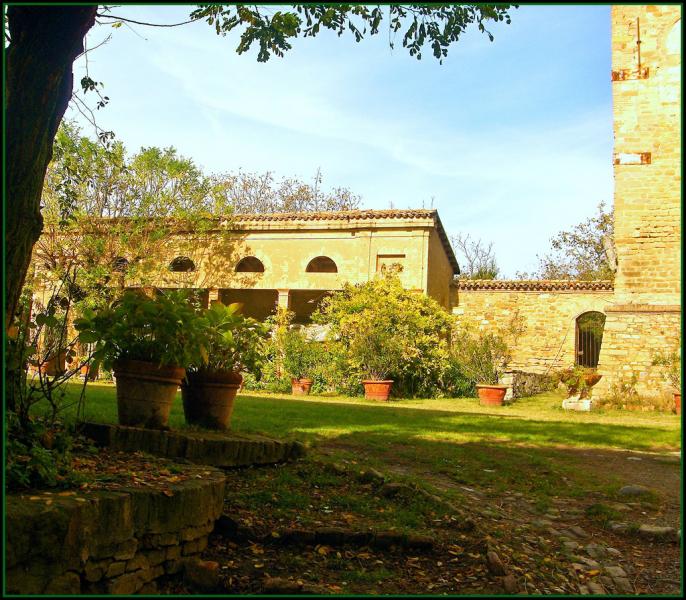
pixel 284 301
pixel 212 296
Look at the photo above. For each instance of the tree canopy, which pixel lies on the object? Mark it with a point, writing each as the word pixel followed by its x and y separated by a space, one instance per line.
pixel 585 252
pixel 44 41
pixel 477 259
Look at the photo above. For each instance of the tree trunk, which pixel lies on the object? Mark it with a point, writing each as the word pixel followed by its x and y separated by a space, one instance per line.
pixel 44 42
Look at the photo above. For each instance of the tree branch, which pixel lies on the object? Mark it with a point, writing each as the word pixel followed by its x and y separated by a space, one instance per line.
pixel 124 20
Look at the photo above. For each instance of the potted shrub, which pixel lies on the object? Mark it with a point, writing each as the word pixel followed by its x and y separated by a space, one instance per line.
pixel 147 342
pixel 232 343
pixel 482 357
pixel 299 360
pixel 671 374
pixel 579 380
pixel 54 353
pixel 376 353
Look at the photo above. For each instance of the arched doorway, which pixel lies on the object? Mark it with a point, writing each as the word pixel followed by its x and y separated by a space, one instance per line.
pixel 589 337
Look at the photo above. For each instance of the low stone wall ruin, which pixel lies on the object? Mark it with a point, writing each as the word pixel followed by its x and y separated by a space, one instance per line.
pixel 109 542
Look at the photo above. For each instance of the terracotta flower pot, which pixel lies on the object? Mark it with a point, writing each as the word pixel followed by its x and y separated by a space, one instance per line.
pixel 377 389
pixel 88 371
pixel 677 402
pixel 592 378
pixel 208 399
pixel 55 365
pixel 145 392
pixel 491 395
pixel 301 387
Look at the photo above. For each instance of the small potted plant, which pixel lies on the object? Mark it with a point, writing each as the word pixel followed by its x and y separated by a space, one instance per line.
pixel 672 374
pixel 300 358
pixel 148 342
pixel 232 343
pixel 482 357
pixel 376 353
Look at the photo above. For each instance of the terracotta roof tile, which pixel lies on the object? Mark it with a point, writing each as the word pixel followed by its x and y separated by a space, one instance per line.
pixel 344 215
pixel 540 285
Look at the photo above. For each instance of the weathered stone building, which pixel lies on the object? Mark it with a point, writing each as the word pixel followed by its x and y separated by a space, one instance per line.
pixel 293 260
pixel 645 316
pixel 643 309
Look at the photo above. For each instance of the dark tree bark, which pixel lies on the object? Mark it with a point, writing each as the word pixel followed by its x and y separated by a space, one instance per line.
pixel 44 41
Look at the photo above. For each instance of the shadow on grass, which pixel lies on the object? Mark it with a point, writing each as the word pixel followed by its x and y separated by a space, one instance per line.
pixel 286 417
pixel 498 451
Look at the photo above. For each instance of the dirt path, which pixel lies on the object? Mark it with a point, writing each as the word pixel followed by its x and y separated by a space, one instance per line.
pixel 597 559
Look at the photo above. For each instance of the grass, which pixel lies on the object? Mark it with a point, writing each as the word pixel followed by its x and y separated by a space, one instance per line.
pixel 532 445
pixel 537 421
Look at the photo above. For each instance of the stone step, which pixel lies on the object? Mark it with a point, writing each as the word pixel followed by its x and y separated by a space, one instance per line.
pixel 223 450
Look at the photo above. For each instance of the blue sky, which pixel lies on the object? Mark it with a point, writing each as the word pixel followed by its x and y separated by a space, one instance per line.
pixel 512 139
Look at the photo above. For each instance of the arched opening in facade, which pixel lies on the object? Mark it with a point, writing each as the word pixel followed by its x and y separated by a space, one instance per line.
pixel 182 264
pixel 322 264
pixel 589 337
pixel 250 264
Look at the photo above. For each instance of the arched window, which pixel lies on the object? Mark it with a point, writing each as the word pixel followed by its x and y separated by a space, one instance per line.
pixel 589 337
pixel 322 264
pixel 182 264
pixel 120 264
pixel 250 264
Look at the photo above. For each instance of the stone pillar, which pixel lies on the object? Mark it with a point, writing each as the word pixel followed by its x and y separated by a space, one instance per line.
pixel 212 296
pixel 645 317
pixel 284 301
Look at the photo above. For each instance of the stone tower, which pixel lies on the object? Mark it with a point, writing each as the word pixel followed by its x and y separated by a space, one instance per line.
pixel 645 315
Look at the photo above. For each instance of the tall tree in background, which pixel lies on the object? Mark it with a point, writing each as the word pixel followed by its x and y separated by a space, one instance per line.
pixel 476 258
pixel 45 40
pixel 585 252
pixel 87 182
pixel 246 193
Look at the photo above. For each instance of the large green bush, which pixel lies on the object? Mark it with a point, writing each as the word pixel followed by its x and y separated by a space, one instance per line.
pixel 300 355
pixel 478 356
pixel 232 342
pixel 385 331
pixel 162 330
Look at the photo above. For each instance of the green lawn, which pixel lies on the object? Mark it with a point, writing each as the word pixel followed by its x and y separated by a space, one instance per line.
pixel 536 421
pixel 530 446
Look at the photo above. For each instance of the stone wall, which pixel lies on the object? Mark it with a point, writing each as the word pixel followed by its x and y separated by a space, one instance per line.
pixel 634 334
pixel 548 310
pixel 108 542
pixel 647 121
pixel 647 161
